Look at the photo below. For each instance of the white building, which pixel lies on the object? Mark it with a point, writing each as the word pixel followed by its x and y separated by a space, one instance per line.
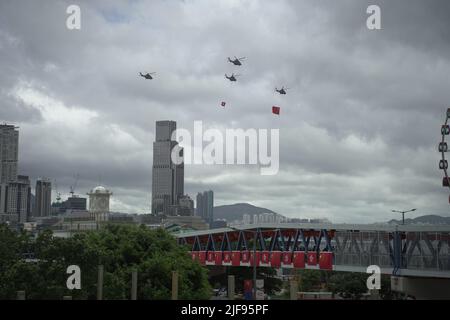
pixel 99 203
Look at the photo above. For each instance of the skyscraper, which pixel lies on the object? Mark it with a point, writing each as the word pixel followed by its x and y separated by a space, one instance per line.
pixel 16 196
pixel 43 198
pixel 205 206
pixel 10 186
pixel 9 153
pixel 167 176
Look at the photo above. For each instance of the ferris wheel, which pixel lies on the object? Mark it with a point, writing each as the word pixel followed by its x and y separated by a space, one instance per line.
pixel 443 148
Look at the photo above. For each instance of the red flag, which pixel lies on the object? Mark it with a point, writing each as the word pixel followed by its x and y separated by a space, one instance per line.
pixel 326 260
pixel 275 110
pixel 312 258
pixel 223 104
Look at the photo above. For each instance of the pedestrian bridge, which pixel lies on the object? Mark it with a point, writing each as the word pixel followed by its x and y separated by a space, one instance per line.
pixel 404 250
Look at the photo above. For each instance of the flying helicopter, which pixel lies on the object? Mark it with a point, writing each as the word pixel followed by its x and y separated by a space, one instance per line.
pixel 236 61
pixel 282 90
pixel 147 76
pixel 232 77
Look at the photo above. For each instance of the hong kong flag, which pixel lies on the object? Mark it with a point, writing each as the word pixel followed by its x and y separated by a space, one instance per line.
pixel 223 104
pixel 275 110
pixel 311 258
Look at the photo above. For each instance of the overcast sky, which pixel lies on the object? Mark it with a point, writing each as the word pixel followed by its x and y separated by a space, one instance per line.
pixel 359 127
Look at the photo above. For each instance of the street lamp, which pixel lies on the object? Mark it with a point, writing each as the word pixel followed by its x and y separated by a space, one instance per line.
pixel 254 256
pixel 403 214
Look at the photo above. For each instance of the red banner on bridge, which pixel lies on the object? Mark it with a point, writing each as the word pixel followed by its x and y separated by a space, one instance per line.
pixel 218 258
pixel 226 258
pixel 311 259
pixel 202 256
pixel 286 260
pixel 275 259
pixel 210 258
pixel 194 255
pixel 326 260
pixel 245 258
pixel 299 259
pixel 235 258
pixel 258 255
pixel 264 259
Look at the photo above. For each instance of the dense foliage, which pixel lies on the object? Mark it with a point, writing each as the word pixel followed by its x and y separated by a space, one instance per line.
pixel 120 249
pixel 347 285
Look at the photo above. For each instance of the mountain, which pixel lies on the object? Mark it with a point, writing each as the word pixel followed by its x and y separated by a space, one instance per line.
pixel 428 219
pixel 236 211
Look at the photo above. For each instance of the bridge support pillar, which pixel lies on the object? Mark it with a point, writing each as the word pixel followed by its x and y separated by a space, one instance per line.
pixel 231 287
pixel 422 288
pixel 293 290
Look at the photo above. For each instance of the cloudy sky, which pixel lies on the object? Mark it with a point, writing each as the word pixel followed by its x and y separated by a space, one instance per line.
pixel 359 127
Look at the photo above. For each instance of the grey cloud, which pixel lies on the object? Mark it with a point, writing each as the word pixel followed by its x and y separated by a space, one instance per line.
pixel 358 129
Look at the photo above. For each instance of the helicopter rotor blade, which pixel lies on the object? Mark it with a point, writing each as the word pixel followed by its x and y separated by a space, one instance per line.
pixel 243 58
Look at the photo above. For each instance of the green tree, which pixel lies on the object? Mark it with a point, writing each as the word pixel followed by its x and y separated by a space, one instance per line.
pixel 349 285
pixel 120 248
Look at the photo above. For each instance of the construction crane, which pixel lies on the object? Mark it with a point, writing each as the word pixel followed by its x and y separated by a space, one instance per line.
pixel 74 186
pixel 58 194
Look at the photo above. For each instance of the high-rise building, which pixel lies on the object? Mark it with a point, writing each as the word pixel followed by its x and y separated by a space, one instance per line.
pixel 16 200
pixel 74 203
pixel 15 191
pixel 9 153
pixel 185 206
pixel 167 176
pixel 205 206
pixel 43 198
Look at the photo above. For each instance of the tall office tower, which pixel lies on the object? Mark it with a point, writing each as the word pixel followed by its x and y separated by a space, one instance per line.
pixel 205 206
pixel 9 153
pixel 9 150
pixel 16 197
pixel 43 198
pixel 209 202
pixel 199 211
pixel 167 176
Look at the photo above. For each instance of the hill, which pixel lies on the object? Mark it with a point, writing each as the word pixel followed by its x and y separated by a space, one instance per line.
pixel 427 219
pixel 236 211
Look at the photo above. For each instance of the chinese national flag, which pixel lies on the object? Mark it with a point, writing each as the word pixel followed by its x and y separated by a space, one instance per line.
pixel 275 110
pixel 326 260
pixel 223 104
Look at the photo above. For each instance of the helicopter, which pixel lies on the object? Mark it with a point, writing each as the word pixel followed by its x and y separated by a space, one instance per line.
pixel 282 90
pixel 236 61
pixel 232 77
pixel 147 76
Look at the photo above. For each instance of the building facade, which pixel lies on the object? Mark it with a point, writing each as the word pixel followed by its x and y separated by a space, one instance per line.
pixel 205 206
pixel 15 190
pixel 167 176
pixel 9 153
pixel 99 203
pixel 43 198
pixel 15 198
